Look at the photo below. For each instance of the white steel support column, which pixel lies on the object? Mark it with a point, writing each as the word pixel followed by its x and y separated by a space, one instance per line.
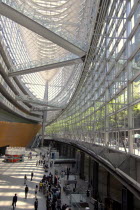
pixel 106 138
pixel 130 119
pixel 106 120
pixel 130 139
pixel 129 89
pixel 44 113
pixel 107 90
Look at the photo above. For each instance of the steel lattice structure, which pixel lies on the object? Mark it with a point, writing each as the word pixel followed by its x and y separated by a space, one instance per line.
pixel 105 108
pixel 81 59
pixel 70 25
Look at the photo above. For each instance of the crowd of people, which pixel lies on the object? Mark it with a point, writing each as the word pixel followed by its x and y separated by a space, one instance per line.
pixel 49 185
pixel 51 188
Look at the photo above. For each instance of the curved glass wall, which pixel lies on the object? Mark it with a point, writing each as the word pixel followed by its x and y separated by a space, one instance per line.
pixel 106 106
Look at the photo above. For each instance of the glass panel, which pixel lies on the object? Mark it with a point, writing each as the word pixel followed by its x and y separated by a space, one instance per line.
pixel 136 89
pixel 136 115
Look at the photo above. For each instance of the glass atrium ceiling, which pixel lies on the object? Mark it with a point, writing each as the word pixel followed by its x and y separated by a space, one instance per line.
pixel 70 19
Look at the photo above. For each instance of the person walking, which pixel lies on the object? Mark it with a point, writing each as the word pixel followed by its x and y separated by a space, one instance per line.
pixel 14 201
pixel 25 179
pixel 32 174
pixel 26 191
pixel 36 204
pixel 37 163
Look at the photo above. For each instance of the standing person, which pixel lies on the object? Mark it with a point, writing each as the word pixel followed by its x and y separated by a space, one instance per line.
pixel 25 179
pixel 59 204
pixel 26 191
pixel 36 188
pixel 64 206
pixel 36 204
pixel 51 163
pixel 14 201
pixel 40 186
pixel 30 155
pixel 75 184
pixel 68 173
pixel 88 193
pixel 37 163
pixel 32 174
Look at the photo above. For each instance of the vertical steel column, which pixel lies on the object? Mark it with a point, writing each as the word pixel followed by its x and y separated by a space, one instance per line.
pixel 108 185
pixel 73 152
pixel 89 170
pixel 130 122
pixel 129 89
pixel 107 88
pixel 127 199
pixel 60 149
pixel 95 180
pixel 82 164
pixel 106 120
pixel 95 183
pixel 44 113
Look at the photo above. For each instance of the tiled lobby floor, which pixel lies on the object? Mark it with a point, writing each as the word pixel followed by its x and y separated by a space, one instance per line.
pixel 12 181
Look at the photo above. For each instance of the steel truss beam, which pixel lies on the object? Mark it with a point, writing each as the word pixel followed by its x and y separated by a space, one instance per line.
pixel 46 67
pixel 45 109
pixel 35 101
pixel 32 25
pixel 118 18
pixel 109 37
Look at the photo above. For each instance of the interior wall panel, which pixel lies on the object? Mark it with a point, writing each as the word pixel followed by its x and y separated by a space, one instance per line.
pixel 17 134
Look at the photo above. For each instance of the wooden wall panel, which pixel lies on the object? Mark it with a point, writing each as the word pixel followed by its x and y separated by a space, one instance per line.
pixel 17 134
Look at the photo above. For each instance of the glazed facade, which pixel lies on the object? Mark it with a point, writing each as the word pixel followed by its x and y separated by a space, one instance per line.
pixel 105 109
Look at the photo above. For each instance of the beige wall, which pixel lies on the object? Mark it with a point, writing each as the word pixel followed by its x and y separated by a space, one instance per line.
pixel 17 134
